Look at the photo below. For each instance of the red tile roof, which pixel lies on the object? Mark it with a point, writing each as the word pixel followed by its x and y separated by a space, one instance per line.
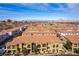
pixel 68 31
pixel 35 39
pixel 38 29
pixel 73 38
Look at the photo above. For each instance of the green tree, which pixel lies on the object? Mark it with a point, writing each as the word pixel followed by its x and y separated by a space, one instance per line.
pixel 9 20
pixel 68 45
pixel 25 51
pixel 76 51
pixel 34 48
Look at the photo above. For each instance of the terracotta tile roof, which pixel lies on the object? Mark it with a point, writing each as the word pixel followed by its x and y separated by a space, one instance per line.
pixel 35 39
pixel 68 31
pixel 38 29
pixel 73 38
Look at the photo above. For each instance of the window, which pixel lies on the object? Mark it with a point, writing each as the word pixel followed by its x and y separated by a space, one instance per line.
pixel 28 46
pixel 29 50
pixel 75 45
pixel 43 49
pixel 75 50
pixel 13 46
pixel 14 51
pixel 53 46
pixel 53 50
pixel 8 47
pixel 57 45
pixel 38 50
pixel 48 47
pixel 23 45
pixel 38 46
pixel 9 52
pixel 17 45
pixel 44 45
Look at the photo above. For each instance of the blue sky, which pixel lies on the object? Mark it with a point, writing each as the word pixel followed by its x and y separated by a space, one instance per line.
pixel 39 11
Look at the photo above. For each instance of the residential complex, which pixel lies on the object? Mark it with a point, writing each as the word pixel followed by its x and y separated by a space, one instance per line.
pixel 44 38
pixel 35 44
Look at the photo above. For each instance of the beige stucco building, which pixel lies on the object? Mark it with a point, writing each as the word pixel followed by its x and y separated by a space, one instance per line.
pixel 74 40
pixel 43 44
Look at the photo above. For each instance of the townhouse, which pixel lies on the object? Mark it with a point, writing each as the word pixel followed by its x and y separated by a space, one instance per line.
pixel 35 44
pixel 74 40
pixel 38 30
pixel 68 32
pixel 44 38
